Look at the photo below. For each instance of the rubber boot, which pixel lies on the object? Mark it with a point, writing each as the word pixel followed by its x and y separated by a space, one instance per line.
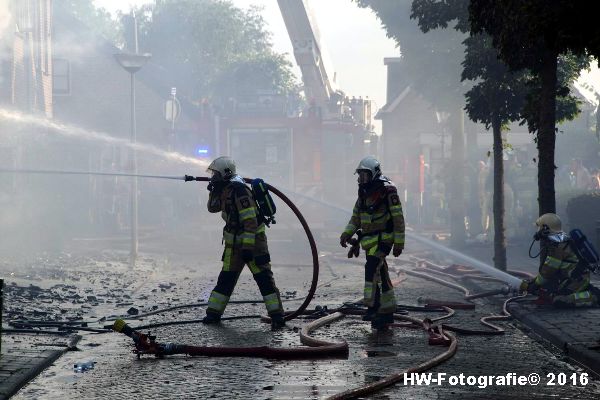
pixel 277 321
pixel 370 314
pixel 372 311
pixel 381 320
pixel 211 318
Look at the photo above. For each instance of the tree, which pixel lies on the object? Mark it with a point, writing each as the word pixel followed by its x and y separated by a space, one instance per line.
pixel 432 65
pixel 497 99
pixel 532 34
pixel 213 49
pixel 97 19
pixel 500 96
pixel 266 72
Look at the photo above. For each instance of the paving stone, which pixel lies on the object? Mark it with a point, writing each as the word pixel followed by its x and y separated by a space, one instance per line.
pixel 119 374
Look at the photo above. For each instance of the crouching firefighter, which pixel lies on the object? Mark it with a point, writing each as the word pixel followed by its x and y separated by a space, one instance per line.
pixel 245 242
pixel 564 273
pixel 378 215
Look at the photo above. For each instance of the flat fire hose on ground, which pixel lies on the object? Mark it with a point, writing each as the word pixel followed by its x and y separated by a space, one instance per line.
pixel 146 344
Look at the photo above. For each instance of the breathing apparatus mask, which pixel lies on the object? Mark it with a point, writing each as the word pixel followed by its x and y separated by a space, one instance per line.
pixel 542 233
pixel 364 177
pixel 553 237
pixel 547 237
pixel 216 181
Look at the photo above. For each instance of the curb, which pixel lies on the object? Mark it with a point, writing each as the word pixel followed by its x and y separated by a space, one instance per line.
pixel 20 378
pixel 573 348
pixel 13 379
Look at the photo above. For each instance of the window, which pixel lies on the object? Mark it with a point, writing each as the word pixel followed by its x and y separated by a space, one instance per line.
pixel 61 76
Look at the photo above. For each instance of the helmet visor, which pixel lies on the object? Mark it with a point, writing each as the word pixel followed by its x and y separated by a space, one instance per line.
pixel 364 176
pixel 214 175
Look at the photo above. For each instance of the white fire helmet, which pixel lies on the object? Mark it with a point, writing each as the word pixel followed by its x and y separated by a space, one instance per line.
pixel 552 221
pixel 225 166
pixel 370 164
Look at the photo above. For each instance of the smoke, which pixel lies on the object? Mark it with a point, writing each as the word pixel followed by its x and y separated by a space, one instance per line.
pixel 49 212
pixel 5 17
pixel 74 46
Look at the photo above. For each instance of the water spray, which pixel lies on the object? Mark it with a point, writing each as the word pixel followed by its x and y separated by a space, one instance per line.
pixel 512 281
pixel 62 172
pixel 86 134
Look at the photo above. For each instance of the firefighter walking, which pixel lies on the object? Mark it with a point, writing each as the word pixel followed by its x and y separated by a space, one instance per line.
pixel 377 217
pixel 245 242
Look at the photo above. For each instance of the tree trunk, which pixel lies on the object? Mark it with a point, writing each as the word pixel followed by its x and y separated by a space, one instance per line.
pixel 473 157
pixel 499 210
pixel 546 137
pixel 598 119
pixel 457 181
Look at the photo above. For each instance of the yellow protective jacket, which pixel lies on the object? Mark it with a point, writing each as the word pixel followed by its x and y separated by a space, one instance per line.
pixel 557 270
pixel 378 213
pixel 239 211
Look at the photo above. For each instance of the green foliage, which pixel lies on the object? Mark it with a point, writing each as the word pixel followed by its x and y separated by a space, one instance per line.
pixel 434 14
pixel 212 48
pixel 265 72
pixel 97 19
pixel 532 34
pixel 536 25
pixel 499 93
pixel 431 61
pixel 567 104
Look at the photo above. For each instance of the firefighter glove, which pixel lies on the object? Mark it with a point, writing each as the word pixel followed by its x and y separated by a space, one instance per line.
pixel 247 255
pixel 354 250
pixel 524 285
pixel 214 186
pixel 344 239
pixel 397 250
pixel 529 286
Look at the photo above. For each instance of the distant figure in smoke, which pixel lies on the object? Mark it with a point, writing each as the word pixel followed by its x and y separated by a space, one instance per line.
pixel 378 215
pixel 245 242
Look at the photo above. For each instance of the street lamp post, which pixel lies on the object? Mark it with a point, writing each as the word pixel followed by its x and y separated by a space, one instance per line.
pixel 132 63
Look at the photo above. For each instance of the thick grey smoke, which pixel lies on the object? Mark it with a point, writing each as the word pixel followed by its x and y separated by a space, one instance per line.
pixel 5 16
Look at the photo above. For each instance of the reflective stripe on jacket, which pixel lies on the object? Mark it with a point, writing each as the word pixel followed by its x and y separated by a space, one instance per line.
pixel 379 216
pixel 239 211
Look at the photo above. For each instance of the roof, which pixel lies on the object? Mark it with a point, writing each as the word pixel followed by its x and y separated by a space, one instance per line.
pixel 153 75
pixel 391 107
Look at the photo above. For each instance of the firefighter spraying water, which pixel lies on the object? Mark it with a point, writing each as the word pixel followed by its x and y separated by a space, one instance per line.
pixel 566 261
pixel 245 241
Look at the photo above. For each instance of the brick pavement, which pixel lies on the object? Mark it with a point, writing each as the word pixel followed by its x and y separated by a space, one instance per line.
pixel 574 331
pixel 19 365
pixel 371 355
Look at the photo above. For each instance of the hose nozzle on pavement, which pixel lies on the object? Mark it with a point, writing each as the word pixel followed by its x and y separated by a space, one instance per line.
pixel 144 343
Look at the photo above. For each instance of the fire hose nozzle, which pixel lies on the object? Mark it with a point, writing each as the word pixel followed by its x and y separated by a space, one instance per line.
pixel 122 327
